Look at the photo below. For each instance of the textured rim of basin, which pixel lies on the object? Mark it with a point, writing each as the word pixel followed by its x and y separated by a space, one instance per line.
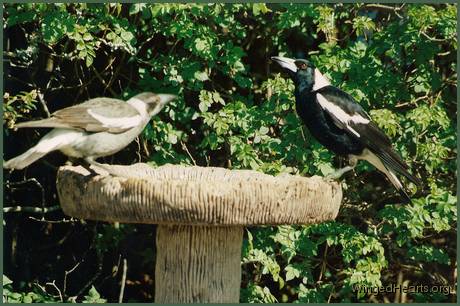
pixel 173 194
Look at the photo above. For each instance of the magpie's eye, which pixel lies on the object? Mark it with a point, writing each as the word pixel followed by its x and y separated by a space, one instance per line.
pixel 302 66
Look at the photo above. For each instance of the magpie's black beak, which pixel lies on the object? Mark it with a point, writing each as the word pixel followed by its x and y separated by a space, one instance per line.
pixel 285 62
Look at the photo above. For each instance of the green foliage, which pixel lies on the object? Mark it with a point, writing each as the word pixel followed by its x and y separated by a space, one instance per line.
pixel 298 249
pixel 18 106
pixel 39 295
pixel 35 296
pixel 236 110
pixel 437 212
pixel 93 297
pixel 428 254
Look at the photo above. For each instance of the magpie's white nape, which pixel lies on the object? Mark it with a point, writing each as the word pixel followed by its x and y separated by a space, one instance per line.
pixel 95 128
pixel 340 124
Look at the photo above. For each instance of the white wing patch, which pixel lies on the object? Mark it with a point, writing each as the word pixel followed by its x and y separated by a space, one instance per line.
pixel 320 80
pixel 117 123
pixel 139 105
pixel 341 118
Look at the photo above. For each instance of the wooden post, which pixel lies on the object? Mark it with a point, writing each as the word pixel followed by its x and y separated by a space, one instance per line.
pixel 198 264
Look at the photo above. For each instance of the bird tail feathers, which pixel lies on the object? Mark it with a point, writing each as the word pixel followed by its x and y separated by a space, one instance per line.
pixel 54 140
pixel 44 123
pixel 380 164
pixel 392 160
pixel 397 183
pixel 23 160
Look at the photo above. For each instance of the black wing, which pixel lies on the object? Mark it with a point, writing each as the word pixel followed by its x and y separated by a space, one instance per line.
pixel 350 116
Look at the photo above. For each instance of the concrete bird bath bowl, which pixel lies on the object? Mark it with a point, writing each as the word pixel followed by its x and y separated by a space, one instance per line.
pixel 200 214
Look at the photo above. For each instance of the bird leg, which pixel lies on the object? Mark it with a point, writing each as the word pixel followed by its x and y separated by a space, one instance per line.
pixel 105 169
pixel 96 168
pixel 74 161
pixel 338 173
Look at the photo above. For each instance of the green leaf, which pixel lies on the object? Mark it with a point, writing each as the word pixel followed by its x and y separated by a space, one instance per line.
pixel 258 8
pixel 135 8
pixel 6 280
pixel 89 60
pixel 93 296
pixel 87 36
pixel 81 46
pixel 263 130
pixel 126 36
pixel 201 44
pixel 201 76
pixel 292 272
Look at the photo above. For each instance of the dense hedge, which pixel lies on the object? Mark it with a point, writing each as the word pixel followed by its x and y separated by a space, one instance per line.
pixel 236 110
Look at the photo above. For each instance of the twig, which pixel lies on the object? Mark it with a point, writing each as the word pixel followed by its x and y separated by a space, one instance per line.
pixel 382 7
pixel 324 261
pixel 419 99
pixel 138 152
pixel 43 220
pixel 81 85
pixel 43 103
pixel 398 285
pixel 117 70
pixel 104 82
pixel 98 262
pixel 53 284
pixel 432 38
pixel 91 281
pixel 67 273
pixel 402 104
pixel 12 77
pixel 443 53
pixel 303 135
pixel 146 149
pixel 405 284
pixel 12 184
pixel 330 297
pixel 123 280
pixel 31 209
pixel 184 147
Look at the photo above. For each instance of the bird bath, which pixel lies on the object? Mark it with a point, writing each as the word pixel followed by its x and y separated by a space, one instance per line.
pixel 200 214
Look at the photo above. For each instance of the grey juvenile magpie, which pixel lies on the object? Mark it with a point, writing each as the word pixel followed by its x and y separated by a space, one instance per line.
pixel 95 128
pixel 340 124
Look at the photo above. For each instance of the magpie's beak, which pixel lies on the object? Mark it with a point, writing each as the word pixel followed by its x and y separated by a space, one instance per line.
pixel 157 105
pixel 286 63
pixel 166 98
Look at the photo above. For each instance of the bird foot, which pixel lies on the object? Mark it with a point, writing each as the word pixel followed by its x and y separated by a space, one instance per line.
pixel 106 170
pixel 338 173
pixel 96 170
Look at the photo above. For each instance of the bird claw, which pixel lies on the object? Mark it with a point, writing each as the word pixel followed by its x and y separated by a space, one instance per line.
pixel 333 176
pixel 338 173
pixel 95 170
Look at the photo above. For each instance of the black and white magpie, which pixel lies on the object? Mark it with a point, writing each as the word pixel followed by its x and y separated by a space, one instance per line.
pixel 340 124
pixel 92 129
